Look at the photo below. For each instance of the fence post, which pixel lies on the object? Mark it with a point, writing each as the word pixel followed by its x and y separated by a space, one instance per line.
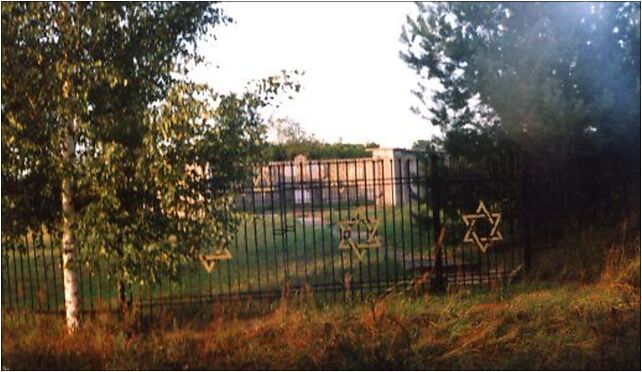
pixel 526 210
pixel 438 283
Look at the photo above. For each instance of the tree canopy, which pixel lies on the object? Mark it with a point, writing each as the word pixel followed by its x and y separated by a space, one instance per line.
pixel 545 75
pixel 292 140
pixel 560 81
pixel 154 156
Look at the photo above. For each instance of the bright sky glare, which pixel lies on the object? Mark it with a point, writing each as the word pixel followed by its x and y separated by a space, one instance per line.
pixel 355 87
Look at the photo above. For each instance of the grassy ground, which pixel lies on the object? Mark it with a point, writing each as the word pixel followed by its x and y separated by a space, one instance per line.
pixel 571 327
pixel 576 311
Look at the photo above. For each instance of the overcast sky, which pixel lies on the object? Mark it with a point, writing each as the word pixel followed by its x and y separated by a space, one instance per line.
pixel 355 88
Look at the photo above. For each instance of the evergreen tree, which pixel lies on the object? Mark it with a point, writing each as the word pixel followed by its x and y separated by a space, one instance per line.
pixel 560 81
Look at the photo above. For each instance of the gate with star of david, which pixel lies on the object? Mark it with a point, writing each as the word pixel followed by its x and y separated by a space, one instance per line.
pixel 340 229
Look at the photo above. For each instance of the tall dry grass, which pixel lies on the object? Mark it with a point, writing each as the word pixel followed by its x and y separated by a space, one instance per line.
pixel 585 317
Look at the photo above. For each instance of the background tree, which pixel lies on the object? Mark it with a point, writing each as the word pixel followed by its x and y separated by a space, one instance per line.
pixel 103 140
pixel 291 140
pixel 560 81
pixel 289 131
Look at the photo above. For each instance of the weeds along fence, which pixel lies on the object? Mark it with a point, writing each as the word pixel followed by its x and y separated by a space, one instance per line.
pixel 343 230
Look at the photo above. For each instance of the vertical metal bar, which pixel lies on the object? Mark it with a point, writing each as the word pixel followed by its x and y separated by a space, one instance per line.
pixel 131 295
pixel 91 291
pixel 349 216
pixel 515 194
pixel 471 257
pixel 400 180
pixel 332 226
pixel 140 299
pixel 376 216
pixel 199 278
pixel 365 200
pixel 443 217
pixel 100 281
pixel 161 295
pixel 12 285
pixel 478 253
pixel 219 269
pixel 137 300
pixel 487 190
pixel 410 222
pixel 507 209
pixel 480 257
pixel 237 253
pixel 428 204
pixel 46 267
pixel 24 280
pixel 16 282
pixel 501 192
pixel 283 222
pixel 81 282
pixel 170 294
pixel 150 299
pixel 29 282
pixel 384 184
pixel 189 283
pixel 54 267
pixel 439 284
pixel 418 204
pixel 209 276
pixel 451 266
pixel 343 270
pixel 293 186
pixel 265 242
pixel 303 227
pixel 448 269
pixel 256 244
pixel 35 267
pixel 311 187
pixel 247 251
pixel 6 288
pixel 495 180
pixel 41 247
pixel 12 249
pixel 30 260
pixel 356 191
pixel 525 211
pixel 466 248
pixel 15 277
pixel 228 264
pixel 393 186
pixel 274 246
pixel 323 227
pixel 415 226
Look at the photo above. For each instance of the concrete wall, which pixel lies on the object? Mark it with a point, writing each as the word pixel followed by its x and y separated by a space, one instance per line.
pixel 382 179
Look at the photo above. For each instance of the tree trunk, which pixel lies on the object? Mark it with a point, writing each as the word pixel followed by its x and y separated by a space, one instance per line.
pixel 68 250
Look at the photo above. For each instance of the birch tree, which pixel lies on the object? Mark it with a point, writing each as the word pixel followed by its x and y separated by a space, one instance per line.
pixel 101 133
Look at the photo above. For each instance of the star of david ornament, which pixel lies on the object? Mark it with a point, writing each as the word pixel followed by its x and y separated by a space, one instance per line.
pixel 209 260
pixel 347 240
pixel 482 213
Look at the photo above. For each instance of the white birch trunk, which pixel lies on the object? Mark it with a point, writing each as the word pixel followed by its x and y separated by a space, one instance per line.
pixel 69 274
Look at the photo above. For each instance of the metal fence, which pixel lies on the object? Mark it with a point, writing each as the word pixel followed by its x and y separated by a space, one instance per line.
pixel 343 230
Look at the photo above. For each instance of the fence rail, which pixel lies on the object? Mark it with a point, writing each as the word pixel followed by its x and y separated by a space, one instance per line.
pixel 343 230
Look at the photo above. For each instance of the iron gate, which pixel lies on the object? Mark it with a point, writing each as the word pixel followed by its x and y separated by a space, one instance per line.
pixel 341 229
